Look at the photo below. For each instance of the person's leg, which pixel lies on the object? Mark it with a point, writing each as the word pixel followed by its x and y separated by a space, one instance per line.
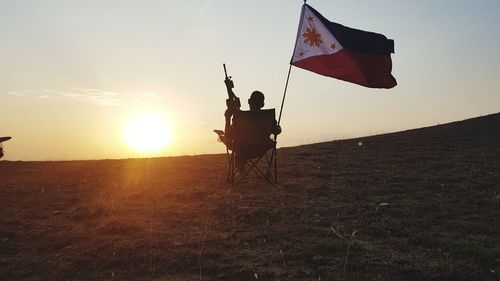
pixel 239 162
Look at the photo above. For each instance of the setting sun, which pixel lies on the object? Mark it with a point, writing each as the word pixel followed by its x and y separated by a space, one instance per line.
pixel 147 132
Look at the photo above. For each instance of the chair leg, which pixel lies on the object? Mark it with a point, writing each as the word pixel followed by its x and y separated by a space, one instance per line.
pixel 231 165
pixel 269 171
pixel 275 167
pixel 233 168
pixel 252 165
pixel 246 172
pixel 271 161
pixel 228 165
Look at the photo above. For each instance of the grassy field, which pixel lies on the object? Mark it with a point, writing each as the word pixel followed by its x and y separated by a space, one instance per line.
pixel 416 205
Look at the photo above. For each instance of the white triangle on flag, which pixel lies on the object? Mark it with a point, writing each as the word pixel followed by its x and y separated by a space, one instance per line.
pixel 313 38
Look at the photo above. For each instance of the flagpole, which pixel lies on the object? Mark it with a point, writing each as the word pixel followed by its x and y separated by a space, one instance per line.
pixel 284 93
pixel 273 154
pixel 290 69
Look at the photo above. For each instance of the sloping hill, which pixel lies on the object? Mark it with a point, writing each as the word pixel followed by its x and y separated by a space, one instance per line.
pixel 416 205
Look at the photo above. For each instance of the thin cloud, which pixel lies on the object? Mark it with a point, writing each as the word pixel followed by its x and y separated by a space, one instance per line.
pixel 16 94
pixel 192 126
pixel 95 96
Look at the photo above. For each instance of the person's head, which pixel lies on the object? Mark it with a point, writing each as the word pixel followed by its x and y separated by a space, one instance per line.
pixel 256 100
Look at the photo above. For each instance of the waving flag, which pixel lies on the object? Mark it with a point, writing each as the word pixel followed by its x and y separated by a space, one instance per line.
pixel 337 51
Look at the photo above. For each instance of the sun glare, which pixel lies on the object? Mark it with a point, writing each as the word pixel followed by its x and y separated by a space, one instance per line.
pixel 147 132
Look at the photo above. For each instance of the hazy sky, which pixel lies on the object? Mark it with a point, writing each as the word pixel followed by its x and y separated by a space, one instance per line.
pixel 73 72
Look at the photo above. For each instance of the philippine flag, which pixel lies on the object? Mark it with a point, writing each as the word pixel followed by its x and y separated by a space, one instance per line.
pixel 337 51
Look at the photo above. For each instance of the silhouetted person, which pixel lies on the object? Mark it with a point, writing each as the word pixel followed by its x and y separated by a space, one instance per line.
pixel 243 153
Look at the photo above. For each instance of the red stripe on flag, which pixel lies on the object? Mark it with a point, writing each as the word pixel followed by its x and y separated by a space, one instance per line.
pixel 373 71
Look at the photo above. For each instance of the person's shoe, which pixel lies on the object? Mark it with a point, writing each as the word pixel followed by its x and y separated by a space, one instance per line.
pixel 240 171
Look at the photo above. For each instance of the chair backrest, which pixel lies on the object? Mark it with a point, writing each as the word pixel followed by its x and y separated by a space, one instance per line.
pixel 254 126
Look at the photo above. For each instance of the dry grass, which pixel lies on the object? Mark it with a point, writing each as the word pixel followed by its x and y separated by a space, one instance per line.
pixel 416 205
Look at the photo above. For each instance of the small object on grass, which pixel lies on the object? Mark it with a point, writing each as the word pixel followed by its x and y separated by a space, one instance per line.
pixel 317 257
pixel 348 248
pixel 336 233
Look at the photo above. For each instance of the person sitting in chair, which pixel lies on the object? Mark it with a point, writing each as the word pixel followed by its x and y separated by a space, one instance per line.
pixel 247 150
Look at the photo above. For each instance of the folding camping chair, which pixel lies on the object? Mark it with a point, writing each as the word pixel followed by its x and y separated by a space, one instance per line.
pixel 251 140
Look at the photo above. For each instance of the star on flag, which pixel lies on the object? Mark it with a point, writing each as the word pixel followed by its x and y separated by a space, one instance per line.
pixel 315 38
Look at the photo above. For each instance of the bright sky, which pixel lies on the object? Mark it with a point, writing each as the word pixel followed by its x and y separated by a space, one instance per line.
pixel 73 72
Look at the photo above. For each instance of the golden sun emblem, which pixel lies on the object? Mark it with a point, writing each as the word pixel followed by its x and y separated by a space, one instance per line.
pixel 312 37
